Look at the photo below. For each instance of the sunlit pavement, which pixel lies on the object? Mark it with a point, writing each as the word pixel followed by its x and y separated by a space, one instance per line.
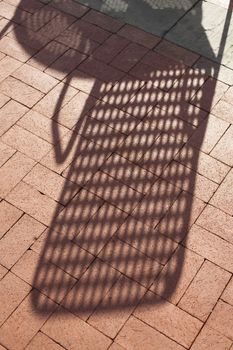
pixel 116 180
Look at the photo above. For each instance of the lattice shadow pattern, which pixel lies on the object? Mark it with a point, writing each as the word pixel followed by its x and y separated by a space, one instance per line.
pixel 128 162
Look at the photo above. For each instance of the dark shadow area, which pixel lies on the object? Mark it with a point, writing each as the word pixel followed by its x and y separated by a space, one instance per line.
pixel 125 160
pixel 154 16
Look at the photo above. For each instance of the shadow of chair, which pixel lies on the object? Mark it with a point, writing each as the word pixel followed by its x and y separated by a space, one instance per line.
pixel 129 165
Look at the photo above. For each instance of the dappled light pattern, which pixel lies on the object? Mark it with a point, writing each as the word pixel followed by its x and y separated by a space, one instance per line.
pixel 128 164
pixel 158 4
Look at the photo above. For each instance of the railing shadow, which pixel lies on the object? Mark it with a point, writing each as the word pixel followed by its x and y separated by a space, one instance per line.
pixel 125 162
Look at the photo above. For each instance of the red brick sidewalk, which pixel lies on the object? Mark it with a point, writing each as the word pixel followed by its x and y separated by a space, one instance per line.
pixel 116 187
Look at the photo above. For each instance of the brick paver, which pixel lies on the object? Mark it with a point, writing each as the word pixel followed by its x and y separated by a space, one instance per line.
pixel 13 171
pixel 169 319
pixel 221 319
pixel 209 338
pixel 8 216
pixel 223 149
pixel 190 269
pixel 199 301
pixel 23 233
pixel 115 186
pixel 23 323
pixel 10 113
pixel 136 334
pixel 20 91
pixel 41 341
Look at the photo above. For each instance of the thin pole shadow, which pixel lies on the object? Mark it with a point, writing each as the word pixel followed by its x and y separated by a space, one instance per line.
pixel 128 167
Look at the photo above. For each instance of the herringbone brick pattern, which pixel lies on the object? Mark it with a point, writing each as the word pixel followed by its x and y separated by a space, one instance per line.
pixel 116 186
